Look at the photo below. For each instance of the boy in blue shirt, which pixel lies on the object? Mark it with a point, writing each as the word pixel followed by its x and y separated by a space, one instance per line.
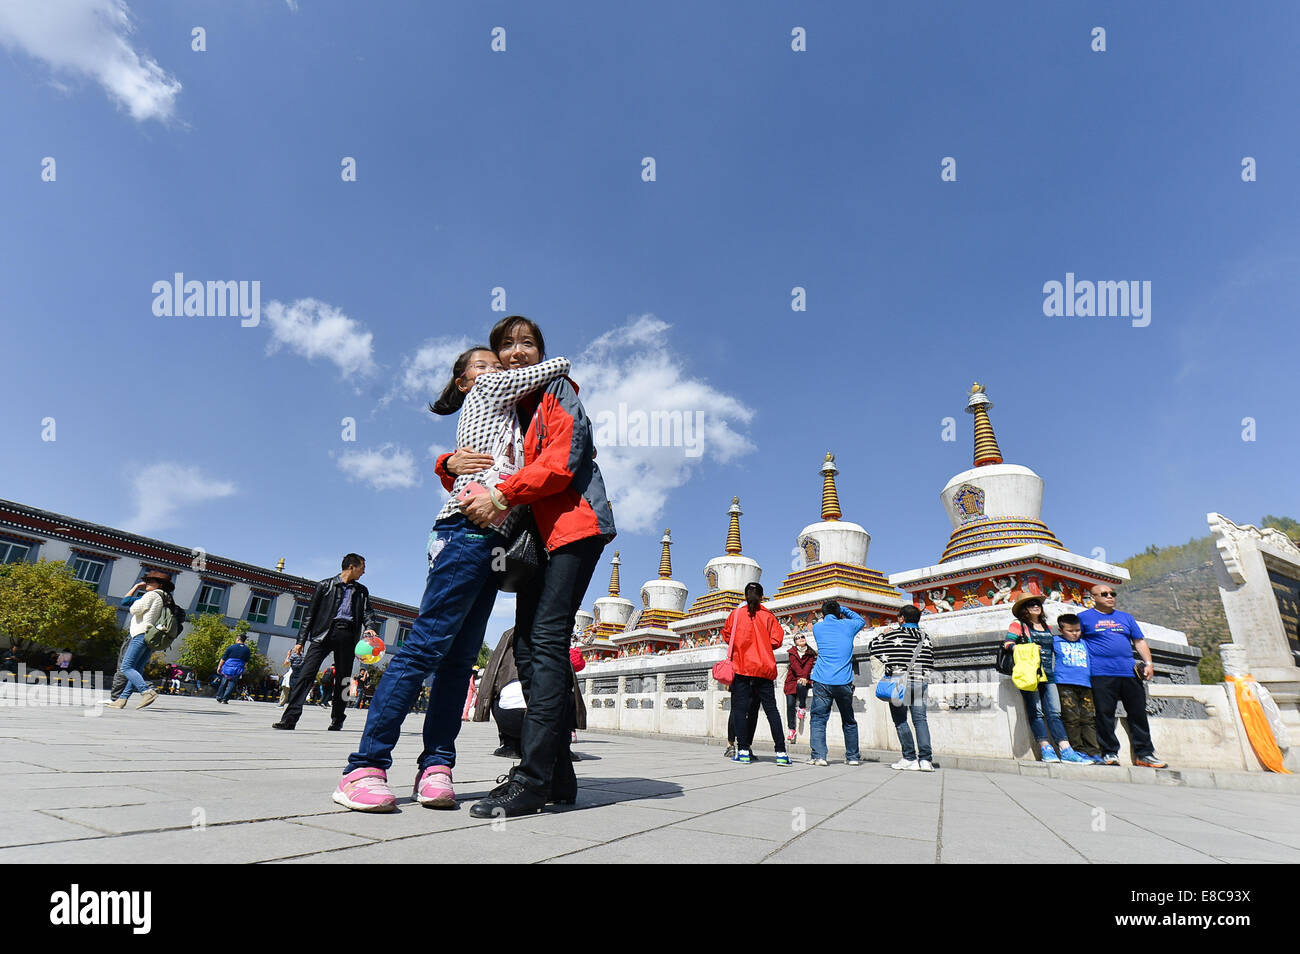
pixel 1074 686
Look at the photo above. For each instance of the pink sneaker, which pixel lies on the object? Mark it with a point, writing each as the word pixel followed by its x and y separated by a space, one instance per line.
pixel 789 736
pixel 433 788
pixel 366 790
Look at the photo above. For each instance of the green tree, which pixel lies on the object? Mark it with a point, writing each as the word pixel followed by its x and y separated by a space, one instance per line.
pixel 484 654
pixel 1285 524
pixel 44 604
pixel 1211 669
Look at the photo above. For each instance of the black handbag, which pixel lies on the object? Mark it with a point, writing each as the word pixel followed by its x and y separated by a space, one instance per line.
pixel 523 557
pixel 1005 662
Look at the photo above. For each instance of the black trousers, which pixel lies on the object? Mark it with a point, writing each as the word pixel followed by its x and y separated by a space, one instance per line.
pixel 544 612
pixel 510 725
pixel 795 700
pixel 747 694
pixel 1106 691
pixel 341 640
pixel 119 678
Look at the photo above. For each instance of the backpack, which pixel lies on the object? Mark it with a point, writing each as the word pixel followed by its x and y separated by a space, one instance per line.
pixel 164 632
pixel 1027 671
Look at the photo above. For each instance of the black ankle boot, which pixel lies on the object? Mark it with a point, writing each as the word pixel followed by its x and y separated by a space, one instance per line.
pixel 509 800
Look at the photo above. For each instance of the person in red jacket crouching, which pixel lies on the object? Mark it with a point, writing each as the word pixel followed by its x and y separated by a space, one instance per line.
pixel 753 633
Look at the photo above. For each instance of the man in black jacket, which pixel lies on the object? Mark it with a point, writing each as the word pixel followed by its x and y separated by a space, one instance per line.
pixel 332 624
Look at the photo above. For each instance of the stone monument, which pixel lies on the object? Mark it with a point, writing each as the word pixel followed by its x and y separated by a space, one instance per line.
pixel 1258 572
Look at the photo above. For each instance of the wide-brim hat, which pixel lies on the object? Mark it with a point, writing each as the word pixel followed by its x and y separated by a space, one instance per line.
pixel 1024 601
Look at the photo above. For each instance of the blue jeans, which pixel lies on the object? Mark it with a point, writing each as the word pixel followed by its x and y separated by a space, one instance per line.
pixel 137 654
pixel 821 710
pixel 1046 700
pixel 444 642
pixel 227 687
pixel 916 706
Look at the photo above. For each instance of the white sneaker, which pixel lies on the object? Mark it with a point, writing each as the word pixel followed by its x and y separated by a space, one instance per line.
pixel 818 762
pixel 924 766
pixel 853 761
pixel 904 765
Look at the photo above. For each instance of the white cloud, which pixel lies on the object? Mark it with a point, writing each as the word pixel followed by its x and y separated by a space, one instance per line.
pixel 91 38
pixel 633 367
pixel 315 329
pixel 425 373
pixel 383 468
pixel 293 5
pixel 161 489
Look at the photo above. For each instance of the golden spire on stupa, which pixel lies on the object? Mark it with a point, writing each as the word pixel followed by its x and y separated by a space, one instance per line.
pixel 613 576
pixel 733 529
pixel 986 444
pixel 665 561
pixel 830 499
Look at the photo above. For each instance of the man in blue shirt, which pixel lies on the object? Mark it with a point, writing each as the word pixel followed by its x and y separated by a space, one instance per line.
pixel 1112 636
pixel 832 679
pixel 231 667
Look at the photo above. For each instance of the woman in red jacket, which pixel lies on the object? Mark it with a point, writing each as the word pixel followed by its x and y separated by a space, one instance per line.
pixel 752 633
pixel 564 487
pixel 798 679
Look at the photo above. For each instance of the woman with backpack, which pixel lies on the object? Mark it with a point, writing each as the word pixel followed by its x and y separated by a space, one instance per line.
pixel 1042 703
pixel 144 615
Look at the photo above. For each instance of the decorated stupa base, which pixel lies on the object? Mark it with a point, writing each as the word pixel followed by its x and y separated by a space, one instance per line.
pixel 799 613
pixel 598 649
pixel 1002 577
pixel 719 601
pixel 658 618
pixel 824 576
pixel 647 642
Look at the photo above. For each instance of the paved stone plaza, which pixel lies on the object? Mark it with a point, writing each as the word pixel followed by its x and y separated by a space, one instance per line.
pixel 191 781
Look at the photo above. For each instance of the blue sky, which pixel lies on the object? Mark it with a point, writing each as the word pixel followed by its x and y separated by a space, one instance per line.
pixel 522 170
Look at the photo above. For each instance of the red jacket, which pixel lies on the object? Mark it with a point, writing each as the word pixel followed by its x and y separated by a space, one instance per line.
pixel 799 668
pixel 752 639
pixel 559 478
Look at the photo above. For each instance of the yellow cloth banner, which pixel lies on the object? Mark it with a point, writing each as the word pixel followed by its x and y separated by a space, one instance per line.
pixel 1258 730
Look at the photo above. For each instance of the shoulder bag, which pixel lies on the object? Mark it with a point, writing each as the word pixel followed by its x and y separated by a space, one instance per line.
pixel 723 670
pixel 523 557
pixel 893 689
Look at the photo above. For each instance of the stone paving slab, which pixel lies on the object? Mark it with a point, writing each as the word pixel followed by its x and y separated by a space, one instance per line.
pixel 34 828
pixel 483 844
pixel 185 781
pixel 821 846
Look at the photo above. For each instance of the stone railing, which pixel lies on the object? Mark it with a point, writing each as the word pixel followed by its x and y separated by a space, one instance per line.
pixel 972 710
